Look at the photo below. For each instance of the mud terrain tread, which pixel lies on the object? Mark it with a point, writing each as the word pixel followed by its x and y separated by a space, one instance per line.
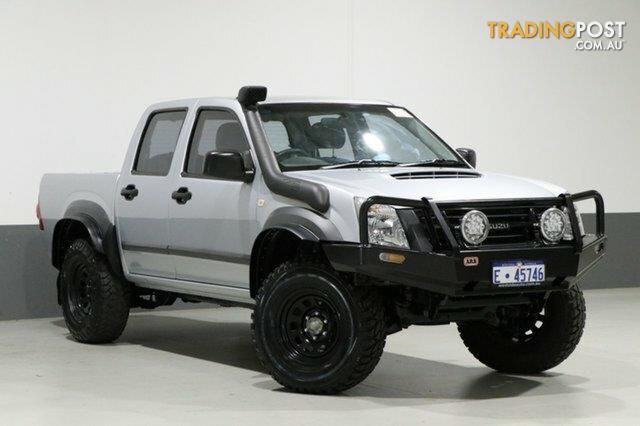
pixel 493 350
pixel 110 300
pixel 372 330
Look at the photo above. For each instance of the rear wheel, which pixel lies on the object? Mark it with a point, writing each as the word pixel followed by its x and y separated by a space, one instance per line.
pixel 315 332
pixel 95 303
pixel 531 343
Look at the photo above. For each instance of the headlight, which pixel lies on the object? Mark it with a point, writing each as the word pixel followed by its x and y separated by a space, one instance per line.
pixel 553 224
pixel 474 227
pixel 384 225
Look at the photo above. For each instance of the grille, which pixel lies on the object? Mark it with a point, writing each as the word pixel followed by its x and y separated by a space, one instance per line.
pixel 436 174
pixel 510 224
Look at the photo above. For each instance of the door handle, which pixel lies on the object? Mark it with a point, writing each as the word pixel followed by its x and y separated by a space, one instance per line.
pixel 182 195
pixel 129 192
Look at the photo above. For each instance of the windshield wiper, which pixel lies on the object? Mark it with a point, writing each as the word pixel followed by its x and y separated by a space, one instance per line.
pixel 438 162
pixel 366 162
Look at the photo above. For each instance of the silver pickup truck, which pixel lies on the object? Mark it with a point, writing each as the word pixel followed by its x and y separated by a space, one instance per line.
pixel 338 222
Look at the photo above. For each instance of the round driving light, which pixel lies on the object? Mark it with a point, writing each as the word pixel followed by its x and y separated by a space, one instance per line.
pixel 552 224
pixel 474 227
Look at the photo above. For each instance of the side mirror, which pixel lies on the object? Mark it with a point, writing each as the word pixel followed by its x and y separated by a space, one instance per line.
pixel 228 165
pixel 469 155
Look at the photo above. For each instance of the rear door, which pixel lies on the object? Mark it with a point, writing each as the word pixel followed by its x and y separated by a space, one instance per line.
pixel 210 234
pixel 144 194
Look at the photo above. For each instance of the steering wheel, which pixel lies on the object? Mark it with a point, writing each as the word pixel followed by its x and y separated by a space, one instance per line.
pixel 283 155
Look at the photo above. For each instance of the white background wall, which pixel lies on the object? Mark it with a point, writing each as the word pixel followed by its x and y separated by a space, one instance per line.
pixel 75 75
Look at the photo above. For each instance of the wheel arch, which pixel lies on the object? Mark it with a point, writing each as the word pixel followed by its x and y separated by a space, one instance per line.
pixel 86 219
pixel 288 232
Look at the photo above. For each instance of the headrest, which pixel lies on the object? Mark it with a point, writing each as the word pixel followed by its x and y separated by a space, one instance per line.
pixel 230 137
pixel 327 134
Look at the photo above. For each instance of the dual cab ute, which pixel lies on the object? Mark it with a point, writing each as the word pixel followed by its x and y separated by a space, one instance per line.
pixel 337 222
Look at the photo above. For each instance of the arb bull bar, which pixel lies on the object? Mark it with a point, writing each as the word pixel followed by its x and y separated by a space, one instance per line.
pixel 460 270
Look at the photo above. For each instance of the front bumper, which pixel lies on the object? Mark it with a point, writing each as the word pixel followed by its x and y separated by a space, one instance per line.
pixel 461 271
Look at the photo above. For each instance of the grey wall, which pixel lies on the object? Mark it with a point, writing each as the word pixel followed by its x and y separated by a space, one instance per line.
pixel 27 280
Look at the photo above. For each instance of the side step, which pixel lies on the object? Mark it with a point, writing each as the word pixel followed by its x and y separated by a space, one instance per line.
pixel 209 291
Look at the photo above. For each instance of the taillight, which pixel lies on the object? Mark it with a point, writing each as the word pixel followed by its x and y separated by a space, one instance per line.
pixel 39 216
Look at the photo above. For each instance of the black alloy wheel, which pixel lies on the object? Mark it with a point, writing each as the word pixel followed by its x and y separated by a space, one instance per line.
pixel 316 332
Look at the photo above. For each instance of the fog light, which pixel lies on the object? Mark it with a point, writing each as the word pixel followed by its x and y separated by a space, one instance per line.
pixel 474 227
pixel 553 223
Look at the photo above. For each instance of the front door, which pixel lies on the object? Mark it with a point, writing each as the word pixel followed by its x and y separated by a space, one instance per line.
pixel 212 228
pixel 142 205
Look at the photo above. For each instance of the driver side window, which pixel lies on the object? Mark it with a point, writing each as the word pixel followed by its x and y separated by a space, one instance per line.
pixel 215 130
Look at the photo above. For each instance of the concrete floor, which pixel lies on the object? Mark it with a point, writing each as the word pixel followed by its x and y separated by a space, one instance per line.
pixel 198 366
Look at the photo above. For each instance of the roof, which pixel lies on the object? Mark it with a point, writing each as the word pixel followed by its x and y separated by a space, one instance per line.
pixel 315 100
pixel 232 103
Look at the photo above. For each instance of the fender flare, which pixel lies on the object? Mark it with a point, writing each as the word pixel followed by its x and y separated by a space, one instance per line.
pixel 101 230
pixel 304 223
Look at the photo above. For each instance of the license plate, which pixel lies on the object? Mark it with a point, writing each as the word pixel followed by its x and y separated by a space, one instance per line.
pixel 518 272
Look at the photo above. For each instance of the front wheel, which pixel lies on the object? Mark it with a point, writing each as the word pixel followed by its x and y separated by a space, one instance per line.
pixel 531 343
pixel 315 332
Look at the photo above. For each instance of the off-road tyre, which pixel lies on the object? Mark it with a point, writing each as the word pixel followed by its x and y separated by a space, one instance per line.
pixel 550 342
pixel 354 322
pixel 95 302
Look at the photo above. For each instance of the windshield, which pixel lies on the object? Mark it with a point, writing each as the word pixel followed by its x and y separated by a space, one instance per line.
pixel 313 136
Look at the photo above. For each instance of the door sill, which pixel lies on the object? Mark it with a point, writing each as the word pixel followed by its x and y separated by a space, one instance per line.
pixel 191 288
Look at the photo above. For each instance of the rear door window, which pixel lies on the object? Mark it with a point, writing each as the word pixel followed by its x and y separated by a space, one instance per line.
pixel 159 143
